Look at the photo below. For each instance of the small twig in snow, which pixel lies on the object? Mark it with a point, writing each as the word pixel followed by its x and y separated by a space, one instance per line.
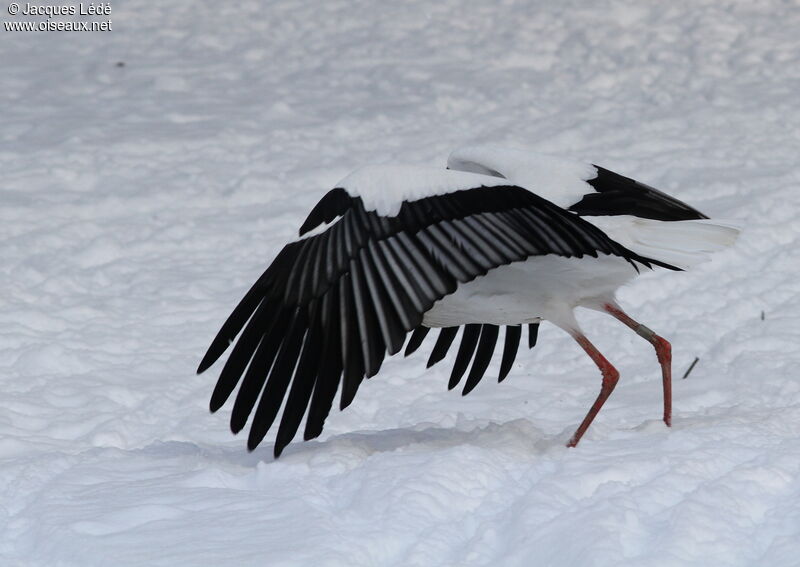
pixel 691 367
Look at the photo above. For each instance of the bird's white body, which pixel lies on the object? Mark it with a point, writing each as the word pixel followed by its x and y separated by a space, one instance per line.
pixel 542 287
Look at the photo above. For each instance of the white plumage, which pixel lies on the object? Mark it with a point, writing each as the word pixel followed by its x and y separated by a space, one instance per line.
pixel 541 288
pixel 560 181
pixel 384 188
pixel 503 237
pixel 682 243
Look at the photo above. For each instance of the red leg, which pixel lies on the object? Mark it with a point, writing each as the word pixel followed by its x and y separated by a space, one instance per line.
pixel 663 351
pixel 610 379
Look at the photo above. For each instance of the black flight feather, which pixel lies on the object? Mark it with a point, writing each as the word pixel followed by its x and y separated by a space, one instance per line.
pixel 483 357
pixel 416 339
pixel 469 340
pixel 513 334
pixel 533 334
pixel 442 345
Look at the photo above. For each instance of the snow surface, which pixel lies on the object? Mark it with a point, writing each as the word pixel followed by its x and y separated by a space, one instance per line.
pixel 140 201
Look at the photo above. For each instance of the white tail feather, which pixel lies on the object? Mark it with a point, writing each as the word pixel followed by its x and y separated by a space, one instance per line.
pixel 681 243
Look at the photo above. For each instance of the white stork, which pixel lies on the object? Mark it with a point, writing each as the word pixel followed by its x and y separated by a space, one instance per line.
pixel 500 238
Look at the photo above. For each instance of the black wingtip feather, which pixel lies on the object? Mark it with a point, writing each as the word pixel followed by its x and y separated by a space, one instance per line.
pixel 483 357
pixel 327 382
pixel 416 339
pixel 215 405
pixel 279 378
pixel 469 340
pixel 252 444
pixel 513 334
pixel 218 346
pixel 533 334
pixel 302 385
pixel 242 313
pixel 239 359
pixel 257 372
pixel 443 343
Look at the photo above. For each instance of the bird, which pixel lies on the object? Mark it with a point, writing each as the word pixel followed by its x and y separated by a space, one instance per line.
pixel 500 237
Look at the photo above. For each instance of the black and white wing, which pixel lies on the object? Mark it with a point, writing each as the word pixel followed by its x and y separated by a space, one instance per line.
pixel 583 188
pixel 373 257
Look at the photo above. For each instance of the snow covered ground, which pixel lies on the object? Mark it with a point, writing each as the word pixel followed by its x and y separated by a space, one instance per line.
pixel 150 173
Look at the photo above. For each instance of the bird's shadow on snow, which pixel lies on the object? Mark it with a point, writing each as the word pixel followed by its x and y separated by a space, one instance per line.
pixel 518 435
pixel 519 438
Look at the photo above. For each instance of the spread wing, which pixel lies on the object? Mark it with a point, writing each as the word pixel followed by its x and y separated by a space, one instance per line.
pixel 330 307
